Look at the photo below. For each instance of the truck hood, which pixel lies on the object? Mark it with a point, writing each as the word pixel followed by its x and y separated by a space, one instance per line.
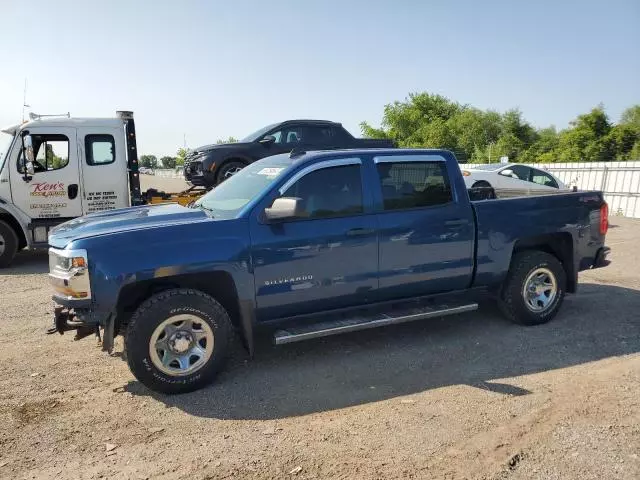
pixel 115 221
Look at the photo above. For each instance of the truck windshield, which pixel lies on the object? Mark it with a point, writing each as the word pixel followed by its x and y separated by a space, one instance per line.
pixel 228 198
pixel 257 135
pixel 5 143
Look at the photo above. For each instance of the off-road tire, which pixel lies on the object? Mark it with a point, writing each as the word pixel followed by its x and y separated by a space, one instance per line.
pixel 10 242
pixel 512 302
pixel 151 314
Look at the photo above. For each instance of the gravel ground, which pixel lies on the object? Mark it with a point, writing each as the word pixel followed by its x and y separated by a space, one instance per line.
pixel 469 396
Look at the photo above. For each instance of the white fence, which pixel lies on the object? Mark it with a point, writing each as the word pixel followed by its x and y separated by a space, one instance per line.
pixel 168 173
pixel 620 182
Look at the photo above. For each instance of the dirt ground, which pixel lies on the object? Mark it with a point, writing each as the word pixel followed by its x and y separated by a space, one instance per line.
pixel 469 396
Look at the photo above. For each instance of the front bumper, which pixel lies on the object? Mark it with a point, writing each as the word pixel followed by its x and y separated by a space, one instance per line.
pixel 196 174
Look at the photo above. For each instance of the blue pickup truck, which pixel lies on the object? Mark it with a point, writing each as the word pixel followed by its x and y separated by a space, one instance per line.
pixel 314 244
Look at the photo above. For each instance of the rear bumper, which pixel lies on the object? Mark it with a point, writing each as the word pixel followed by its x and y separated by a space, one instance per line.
pixel 601 259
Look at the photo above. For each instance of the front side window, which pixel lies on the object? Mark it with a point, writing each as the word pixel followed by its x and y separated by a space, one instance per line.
pixel 100 149
pixel 293 135
pixel 329 192
pixel 542 178
pixel 521 172
pixel 414 184
pixel 51 153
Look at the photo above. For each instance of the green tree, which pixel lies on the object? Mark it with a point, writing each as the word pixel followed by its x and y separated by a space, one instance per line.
pixel 228 140
pixel 148 161
pixel 180 156
pixel 631 116
pixel 168 162
pixel 427 120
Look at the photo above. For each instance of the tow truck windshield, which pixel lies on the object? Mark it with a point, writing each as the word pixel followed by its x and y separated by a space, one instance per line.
pixel 230 197
pixel 5 144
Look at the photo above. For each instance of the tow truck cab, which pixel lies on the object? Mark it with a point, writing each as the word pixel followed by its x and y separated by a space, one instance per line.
pixel 55 169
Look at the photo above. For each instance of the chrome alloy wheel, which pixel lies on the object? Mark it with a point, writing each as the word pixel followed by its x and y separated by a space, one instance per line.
pixel 181 345
pixel 540 290
pixel 231 172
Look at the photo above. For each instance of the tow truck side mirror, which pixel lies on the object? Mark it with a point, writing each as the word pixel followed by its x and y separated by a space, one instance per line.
pixel 284 208
pixel 28 157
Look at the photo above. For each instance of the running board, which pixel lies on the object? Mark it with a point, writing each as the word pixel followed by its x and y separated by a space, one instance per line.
pixel 364 320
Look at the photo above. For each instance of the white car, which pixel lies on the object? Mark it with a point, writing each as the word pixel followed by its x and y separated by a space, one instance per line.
pixel 510 176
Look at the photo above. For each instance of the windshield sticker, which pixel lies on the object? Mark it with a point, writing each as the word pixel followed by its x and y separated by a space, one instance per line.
pixel 270 171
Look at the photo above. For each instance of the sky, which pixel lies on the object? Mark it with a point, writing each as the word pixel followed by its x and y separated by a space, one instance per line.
pixel 204 70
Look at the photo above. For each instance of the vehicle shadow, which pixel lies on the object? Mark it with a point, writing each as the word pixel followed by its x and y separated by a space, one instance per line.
pixel 479 349
pixel 27 262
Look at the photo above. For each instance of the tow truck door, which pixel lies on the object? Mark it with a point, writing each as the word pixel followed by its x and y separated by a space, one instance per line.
pixel 103 163
pixel 53 190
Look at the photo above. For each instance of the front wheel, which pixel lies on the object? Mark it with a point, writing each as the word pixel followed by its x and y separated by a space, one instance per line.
pixel 228 170
pixel 534 289
pixel 177 340
pixel 9 244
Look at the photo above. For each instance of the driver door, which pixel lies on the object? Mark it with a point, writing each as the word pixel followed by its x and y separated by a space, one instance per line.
pixel 53 189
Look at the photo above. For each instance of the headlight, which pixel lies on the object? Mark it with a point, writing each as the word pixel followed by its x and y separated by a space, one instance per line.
pixel 466 173
pixel 69 274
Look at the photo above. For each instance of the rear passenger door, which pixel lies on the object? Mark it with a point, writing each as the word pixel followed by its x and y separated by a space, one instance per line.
pixel 426 231
pixel 104 169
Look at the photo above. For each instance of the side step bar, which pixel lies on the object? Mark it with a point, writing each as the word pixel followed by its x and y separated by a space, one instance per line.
pixel 365 320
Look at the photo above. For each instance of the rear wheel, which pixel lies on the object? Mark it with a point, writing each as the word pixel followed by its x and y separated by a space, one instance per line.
pixel 9 244
pixel 534 289
pixel 177 340
pixel 228 170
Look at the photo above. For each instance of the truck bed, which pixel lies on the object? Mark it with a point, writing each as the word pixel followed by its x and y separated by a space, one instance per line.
pixel 565 215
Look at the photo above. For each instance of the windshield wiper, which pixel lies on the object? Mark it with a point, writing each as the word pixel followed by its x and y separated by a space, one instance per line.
pixel 202 207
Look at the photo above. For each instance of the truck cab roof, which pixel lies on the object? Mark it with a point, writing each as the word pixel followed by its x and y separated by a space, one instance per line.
pixel 64 122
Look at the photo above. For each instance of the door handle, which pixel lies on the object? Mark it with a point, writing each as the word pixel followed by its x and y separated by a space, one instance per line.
pixel 72 191
pixel 459 222
pixel 360 232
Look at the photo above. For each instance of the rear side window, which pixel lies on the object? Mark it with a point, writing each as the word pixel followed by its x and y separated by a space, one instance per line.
pixel 542 178
pixel 100 149
pixel 329 192
pixel 414 184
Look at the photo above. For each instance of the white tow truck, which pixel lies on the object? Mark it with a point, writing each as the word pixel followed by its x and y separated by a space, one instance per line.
pixel 56 169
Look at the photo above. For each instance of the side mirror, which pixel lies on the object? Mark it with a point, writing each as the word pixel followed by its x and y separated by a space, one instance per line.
pixel 267 140
pixel 28 149
pixel 284 208
pixel 508 173
pixel 27 157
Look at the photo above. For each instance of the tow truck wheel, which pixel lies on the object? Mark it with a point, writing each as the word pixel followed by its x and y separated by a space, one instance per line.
pixel 177 340
pixel 534 289
pixel 8 244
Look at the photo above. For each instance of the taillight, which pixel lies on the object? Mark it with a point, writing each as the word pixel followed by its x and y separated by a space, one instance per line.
pixel 604 218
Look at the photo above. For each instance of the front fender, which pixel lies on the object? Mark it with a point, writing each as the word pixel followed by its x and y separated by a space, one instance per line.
pixel 160 255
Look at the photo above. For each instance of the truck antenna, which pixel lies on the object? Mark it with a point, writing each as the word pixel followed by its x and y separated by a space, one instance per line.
pixel 24 99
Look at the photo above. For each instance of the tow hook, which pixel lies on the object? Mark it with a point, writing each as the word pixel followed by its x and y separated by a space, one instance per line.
pixel 64 321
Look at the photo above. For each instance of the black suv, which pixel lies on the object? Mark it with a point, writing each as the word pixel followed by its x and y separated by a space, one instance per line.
pixel 210 165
